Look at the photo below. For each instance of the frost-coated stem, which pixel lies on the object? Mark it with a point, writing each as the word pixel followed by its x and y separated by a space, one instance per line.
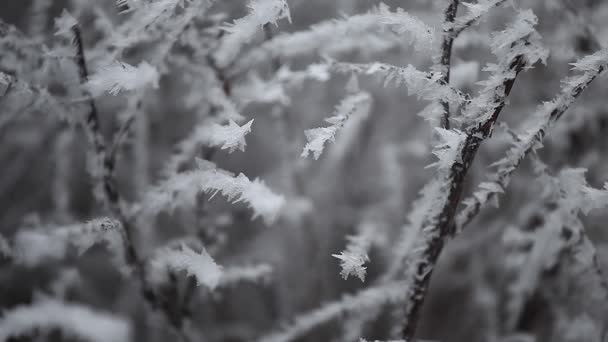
pixel 446 56
pixel 441 222
pixel 471 20
pixel 111 195
pixel 502 177
pixel 103 159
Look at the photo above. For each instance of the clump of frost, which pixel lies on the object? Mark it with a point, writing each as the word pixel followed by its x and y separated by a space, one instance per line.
pixel 199 265
pixel 354 257
pixel 318 137
pixel 73 320
pixel 119 77
pixel 64 24
pixel 449 148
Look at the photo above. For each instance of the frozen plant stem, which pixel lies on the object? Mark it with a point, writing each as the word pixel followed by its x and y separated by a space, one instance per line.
pixel 446 55
pixel 107 161
pixel 111 195
pixel 441 223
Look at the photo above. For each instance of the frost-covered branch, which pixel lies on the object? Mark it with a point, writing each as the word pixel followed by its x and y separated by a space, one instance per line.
pixel 236 274
pixel 324 36
pixel 559 232
pixel 428 86
pixel 197 264
pixel 261 12
pixel 531 138
pixel 182 188
pixel 443 66
pixel 74 320
pixel 516 48
pixel 355 104
pixel 119 77
pixel 230 137
pixel 476 13
pixel 366 299
pixel 16 92
pixel 32 247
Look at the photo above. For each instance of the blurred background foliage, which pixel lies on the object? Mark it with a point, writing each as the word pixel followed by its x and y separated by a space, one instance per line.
pixel 375 180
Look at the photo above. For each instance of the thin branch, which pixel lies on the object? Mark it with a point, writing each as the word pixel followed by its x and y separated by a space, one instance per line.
pixel 549 114
pixel 440 223
pixel 470 20
pixel 446 55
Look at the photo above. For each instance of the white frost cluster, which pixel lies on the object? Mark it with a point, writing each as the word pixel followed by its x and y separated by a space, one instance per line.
pixel 73 320
pixel 230 137
pixel 119 77
pixel 593 62
pixel 507 44
pixel 199 265
pixel 64 24
pixel 449 149
pixel 32 247
pixel 425 85
pixel 240 32
pixel 331 35
pixel 475 12
pixel 255 193
pixel 354 257
pixel 317 137
pixel 182 188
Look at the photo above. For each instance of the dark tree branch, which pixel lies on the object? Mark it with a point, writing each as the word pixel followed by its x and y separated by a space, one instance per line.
pixel 503 176
pixel 442 222
pixel 446 55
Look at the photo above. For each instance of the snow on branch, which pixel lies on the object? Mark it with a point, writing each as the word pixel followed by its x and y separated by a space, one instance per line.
pixel 74 320
pixel 519 42
pixel 237 274
pixel 532 136
pixel 425 85
pixel 366 299
pixel 449 149
pixel 240 32
pixel 325 36
pixel 120 76
pixel 275 90
pixel 32 247
pixel 476 13
pixel 355 104
pixel 570 195
pixel 575 193
pixel 354 257
pixel 430 222
pixel 35 96
pixel 507 43
pixel 181 189
pixel 199 265
pixel 230 137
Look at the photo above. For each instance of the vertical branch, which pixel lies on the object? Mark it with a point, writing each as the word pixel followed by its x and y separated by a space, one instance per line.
pixel 446 55
pixel 440 223
pixel 103 160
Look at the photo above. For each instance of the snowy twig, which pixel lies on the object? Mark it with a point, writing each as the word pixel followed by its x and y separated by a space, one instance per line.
pixel 532 138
